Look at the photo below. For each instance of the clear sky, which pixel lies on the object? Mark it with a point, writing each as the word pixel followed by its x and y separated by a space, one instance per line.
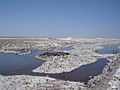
pixel 60 18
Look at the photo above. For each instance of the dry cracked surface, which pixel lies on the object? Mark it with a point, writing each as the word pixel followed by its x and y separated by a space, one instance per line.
pixel 83 53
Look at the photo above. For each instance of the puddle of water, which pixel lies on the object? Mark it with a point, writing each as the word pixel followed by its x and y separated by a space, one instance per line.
pixel 81 74
pixel 66 48
pixel 84 72
pixel 11 64
pixel 21 64
pixel 16 64
pixel 109 49
pixel 88 43
pixel 38 52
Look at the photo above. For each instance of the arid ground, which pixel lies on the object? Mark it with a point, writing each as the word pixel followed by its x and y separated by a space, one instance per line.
pixel 81 51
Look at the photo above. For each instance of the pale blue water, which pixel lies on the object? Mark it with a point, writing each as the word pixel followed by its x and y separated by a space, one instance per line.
pixel 109 49
pixel 66 48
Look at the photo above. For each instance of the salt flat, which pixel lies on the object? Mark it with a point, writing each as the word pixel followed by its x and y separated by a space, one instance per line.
pixel 84 52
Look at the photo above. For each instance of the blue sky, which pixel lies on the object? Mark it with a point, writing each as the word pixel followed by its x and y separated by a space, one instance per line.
pixel 60 18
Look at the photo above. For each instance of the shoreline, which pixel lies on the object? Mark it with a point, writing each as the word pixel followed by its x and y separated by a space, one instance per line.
pixel 81 54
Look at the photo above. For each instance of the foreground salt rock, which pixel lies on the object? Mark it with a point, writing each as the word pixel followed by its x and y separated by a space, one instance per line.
pixel 25 82
pixel 115 81
pixel 47 54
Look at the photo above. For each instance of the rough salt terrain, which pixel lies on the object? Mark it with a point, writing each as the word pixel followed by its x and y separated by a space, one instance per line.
pixel 84 52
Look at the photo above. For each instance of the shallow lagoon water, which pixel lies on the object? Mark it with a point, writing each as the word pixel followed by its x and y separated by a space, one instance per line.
pixel 109 49
pixel 11 64
pixel 66 48
pixel 83 73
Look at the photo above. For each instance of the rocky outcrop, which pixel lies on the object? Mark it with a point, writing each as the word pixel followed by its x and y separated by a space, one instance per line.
pixel 47 54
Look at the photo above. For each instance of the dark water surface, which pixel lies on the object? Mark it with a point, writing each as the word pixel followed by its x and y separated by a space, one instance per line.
pixel 83 73
pixel 21 64
pixel 11 64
